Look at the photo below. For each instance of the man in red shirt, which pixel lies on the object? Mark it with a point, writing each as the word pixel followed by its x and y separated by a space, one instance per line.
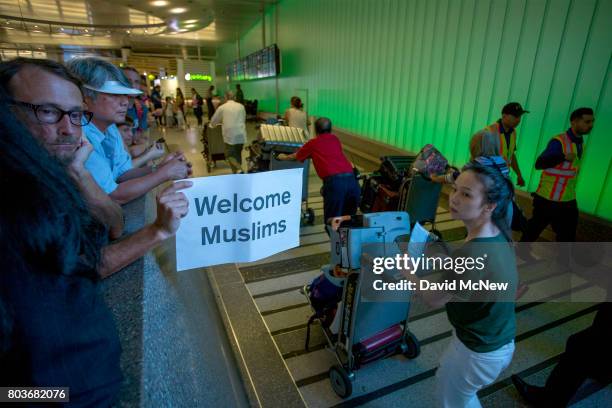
pixel 341 192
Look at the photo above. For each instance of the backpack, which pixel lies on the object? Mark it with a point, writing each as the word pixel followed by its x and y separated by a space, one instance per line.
pixel 430 161
pixel 324 297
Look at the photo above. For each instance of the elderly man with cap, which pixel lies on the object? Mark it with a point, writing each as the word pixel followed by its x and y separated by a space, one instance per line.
pixel 505 129
pixel 106 92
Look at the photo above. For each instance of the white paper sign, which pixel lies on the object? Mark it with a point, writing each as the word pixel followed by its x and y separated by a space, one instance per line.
pixel 239 218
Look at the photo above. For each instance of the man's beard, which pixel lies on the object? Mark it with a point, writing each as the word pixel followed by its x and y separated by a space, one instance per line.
pixel 64 158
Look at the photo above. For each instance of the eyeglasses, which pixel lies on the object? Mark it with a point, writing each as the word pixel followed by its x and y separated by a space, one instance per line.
pixel 50 114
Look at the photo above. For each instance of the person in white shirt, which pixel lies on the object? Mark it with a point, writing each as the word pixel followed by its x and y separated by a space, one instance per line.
pixel 231 116
pixel 296 117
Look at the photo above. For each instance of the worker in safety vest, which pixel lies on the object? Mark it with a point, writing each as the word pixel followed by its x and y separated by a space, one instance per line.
pixel 554 202
pixel 505 129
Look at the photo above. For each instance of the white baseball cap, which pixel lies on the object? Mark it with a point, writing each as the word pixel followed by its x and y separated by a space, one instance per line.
pixel 114 87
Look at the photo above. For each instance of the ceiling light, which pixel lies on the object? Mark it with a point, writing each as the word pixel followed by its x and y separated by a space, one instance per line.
pixel 182 30
pixel 177 10
pixel 127 31
pixel 8 28
pixel 190 21
pixel 86 30
pixel 159 3
pixel 146 31
pixel 190 25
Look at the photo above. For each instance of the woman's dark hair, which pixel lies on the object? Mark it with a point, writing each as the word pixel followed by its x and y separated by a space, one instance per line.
pixel 179 92
pixel 499 190
pixel 45 226
pixel 296 102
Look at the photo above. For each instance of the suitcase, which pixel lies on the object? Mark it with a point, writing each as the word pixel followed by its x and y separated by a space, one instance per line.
pixel 282 134
pixel 393 169
pixel 379 345
pixel 386 199
pixel 369 190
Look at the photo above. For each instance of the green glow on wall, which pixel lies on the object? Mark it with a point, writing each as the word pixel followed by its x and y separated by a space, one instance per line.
pixel 411 72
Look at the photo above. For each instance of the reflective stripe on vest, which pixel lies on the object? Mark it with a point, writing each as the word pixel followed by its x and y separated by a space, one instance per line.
pixel 560 173
pixel 558 183
pixel 506 151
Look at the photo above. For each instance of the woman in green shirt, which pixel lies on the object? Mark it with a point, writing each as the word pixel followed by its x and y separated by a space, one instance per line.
pixel 484 325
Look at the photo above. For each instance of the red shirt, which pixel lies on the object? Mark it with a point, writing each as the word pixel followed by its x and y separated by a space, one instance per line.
pixel 325 150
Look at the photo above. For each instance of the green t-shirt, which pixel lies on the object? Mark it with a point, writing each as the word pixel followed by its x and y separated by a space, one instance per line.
pixel 482 325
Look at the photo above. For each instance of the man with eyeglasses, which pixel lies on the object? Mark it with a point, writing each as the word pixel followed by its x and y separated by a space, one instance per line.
pixel 49 107
pixel 106 92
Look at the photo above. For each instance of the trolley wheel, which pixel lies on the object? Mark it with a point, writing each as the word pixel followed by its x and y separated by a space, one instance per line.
pixel 309 217
pixel 340 381
pixel 411 347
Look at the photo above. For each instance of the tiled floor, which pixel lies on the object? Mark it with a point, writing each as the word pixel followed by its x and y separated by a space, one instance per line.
pixel 274 282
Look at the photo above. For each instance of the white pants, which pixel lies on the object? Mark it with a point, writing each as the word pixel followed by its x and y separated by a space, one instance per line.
pixel 463 372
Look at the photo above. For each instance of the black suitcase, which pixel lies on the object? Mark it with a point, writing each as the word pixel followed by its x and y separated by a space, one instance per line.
pixel 369 191
pixel 386 199
pixel 393 170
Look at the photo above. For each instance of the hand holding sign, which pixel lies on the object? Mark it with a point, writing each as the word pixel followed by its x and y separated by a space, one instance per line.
pixel 172 205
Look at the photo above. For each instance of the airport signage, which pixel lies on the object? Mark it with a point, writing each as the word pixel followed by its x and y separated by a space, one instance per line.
pixel 197 77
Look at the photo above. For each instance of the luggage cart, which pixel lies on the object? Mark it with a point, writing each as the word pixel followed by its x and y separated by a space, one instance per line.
pixel 419 197
pixel 214 147
pixel 273 140
pixel 368 330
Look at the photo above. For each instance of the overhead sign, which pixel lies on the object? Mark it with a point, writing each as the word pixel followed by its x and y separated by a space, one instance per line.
pixel 197 77
pixel 239 218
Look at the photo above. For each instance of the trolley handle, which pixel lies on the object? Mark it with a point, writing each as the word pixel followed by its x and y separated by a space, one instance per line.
pixel 335 222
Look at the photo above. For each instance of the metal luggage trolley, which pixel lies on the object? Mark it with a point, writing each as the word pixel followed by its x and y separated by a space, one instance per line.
pixel 419 197
pixel 273 140
pixel 368 330
pixel 214 147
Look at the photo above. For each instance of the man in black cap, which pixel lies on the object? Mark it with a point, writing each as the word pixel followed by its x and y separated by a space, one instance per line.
pixel 505 129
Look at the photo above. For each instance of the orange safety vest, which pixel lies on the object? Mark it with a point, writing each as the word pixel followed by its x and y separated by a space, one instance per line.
pixel 559 183
pixel 506 151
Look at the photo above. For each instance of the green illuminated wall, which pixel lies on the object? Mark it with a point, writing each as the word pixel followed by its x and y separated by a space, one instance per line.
pixel 410 72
